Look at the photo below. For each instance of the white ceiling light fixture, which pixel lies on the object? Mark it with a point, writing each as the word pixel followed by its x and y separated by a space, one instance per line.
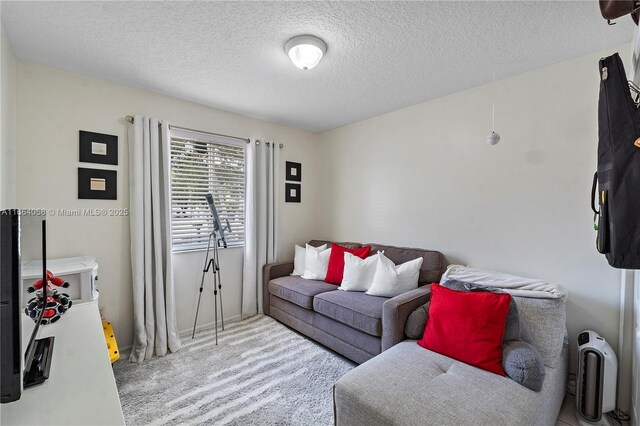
pixel 305 51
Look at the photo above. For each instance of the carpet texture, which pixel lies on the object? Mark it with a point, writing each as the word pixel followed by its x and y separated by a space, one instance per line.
pixel 261 373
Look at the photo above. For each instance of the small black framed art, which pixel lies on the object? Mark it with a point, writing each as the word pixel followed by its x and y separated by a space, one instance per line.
pixel 97 184
pixel 294 171
pixel 293 192
pixel 98 148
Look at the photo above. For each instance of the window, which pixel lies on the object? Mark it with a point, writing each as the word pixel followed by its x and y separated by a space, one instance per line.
pixel 202 163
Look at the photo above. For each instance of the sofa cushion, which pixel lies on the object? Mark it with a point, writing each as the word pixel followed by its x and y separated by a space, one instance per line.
pixel 407 385
pixel 299 290
pixel 433 263
pixel 352 337
pixel 358 273
pixel 522 362
pixel 390 280
pixel 316 262
pixel 336 261
pixel 357 310
pixel 545 319
pixel 299 259
pixel 417 321
pixel 467 326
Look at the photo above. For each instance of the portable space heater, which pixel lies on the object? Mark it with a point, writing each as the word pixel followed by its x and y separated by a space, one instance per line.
pixel 596 379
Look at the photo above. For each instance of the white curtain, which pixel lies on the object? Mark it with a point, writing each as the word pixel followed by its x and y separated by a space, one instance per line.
pixel 154 311
pixel 262 220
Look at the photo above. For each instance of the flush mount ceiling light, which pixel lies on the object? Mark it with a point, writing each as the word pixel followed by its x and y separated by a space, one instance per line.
pixel 305 51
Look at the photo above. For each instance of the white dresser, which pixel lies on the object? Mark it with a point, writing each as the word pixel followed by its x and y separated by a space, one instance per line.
pixel 81 389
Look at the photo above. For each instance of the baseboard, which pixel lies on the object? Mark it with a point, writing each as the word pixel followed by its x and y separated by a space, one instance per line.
pixel 125 351
pixel 188 331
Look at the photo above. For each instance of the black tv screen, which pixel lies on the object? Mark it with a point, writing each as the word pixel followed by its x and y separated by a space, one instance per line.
pixel 17 232
pixel 10 307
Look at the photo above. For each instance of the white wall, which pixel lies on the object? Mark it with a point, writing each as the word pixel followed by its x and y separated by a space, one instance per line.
pixel 7 123
pixel 423 176
pixel 53 105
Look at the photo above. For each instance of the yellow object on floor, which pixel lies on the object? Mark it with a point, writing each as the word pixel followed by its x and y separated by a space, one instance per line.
pixel 112 345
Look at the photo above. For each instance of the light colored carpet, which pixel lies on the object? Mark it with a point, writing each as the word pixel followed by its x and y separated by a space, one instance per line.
pixel 261 373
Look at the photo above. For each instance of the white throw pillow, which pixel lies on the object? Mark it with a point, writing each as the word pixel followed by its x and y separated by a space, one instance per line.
pixel 358 273
pixel 391 280
pixel 298 259
pixel 316 263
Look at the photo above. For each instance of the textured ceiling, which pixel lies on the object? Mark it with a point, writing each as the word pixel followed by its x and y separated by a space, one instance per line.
pixel 381 56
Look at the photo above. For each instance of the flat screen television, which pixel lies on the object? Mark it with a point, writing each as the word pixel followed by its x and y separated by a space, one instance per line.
pixel 17 371
pixel 10 308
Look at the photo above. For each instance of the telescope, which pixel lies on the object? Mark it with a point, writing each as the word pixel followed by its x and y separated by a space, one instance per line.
pixel 212 263
pixel 219 230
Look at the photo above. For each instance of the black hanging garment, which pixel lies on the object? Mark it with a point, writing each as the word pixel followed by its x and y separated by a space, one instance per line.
pixel 618 175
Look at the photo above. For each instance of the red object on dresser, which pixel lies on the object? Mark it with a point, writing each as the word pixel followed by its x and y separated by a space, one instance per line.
pixel 467 326
pixel 336 261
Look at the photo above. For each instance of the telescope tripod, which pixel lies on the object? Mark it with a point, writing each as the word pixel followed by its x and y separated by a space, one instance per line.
pixel 211 263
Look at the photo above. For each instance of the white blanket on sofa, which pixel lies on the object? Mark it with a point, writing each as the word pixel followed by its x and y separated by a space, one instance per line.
pixel 512 284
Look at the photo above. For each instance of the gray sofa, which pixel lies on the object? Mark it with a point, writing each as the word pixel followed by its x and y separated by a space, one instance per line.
pixel 353 324
pixel 410 385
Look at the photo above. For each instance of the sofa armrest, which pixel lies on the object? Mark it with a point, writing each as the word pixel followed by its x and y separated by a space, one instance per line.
pixel 272 271
pixel 395 312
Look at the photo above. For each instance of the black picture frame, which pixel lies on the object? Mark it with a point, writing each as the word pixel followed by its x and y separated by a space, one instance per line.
pixel 97 184
pixel 292 192
pixel 98 148
pixel 294 171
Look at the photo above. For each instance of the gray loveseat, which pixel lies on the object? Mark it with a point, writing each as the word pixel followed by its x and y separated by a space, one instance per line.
pixel 353 324
pixel 410 385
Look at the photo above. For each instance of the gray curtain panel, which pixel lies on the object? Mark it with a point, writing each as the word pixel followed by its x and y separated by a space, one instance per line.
pixel 261 220
pixel 154 312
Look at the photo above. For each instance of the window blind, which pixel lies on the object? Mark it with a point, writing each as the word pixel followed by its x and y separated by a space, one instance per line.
pixel 202 163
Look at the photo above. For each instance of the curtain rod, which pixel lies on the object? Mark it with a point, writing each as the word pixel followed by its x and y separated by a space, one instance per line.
pixel 129 118
pixel 171 126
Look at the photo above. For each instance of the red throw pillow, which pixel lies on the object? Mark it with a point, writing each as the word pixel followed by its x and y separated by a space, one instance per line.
pixel 467 326
pixel 336 261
